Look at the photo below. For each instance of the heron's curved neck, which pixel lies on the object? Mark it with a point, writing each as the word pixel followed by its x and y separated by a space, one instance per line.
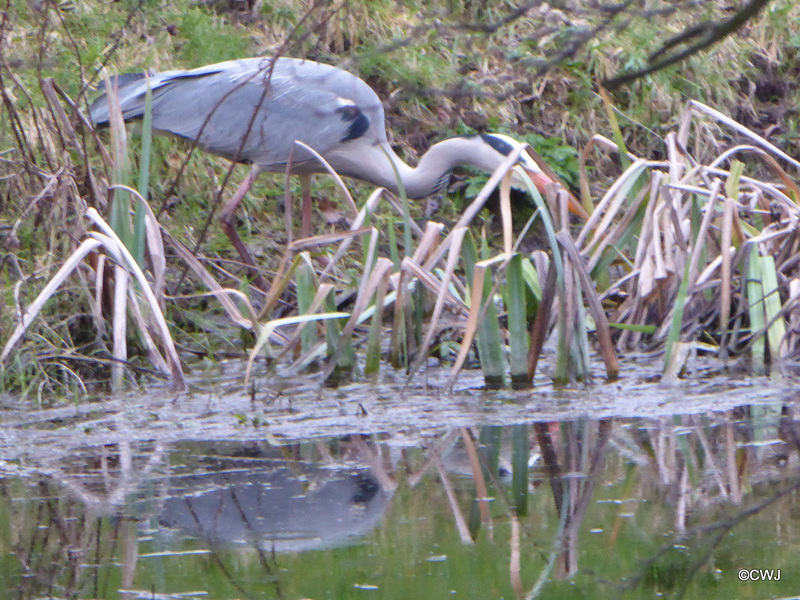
pixel 426 178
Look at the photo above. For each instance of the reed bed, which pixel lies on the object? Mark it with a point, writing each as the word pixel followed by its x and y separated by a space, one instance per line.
pixel 709 253
pixel 703 249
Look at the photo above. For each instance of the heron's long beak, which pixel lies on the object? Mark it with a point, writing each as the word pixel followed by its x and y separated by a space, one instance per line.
pixel 541 181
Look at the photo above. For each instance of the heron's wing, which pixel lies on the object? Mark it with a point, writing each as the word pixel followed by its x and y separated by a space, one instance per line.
pixel 243 110
pixel 131 89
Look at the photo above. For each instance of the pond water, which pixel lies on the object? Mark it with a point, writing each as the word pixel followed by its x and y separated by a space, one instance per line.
pixel 624 489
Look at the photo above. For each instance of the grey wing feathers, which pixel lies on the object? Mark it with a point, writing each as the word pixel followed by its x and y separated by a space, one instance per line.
pixel 122 80
pixel 216 105
pixel 132 88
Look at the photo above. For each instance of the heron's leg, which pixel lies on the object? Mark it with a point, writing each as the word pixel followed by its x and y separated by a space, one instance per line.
pixel 228 226
pixel 305 187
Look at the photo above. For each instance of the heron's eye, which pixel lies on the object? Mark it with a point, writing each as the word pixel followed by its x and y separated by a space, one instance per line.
pixel 348 112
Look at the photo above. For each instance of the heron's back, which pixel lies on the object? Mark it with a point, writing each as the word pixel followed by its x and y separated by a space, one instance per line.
pixel 252 111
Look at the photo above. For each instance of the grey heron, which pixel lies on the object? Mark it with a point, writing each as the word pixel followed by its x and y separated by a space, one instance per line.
pixel 253 110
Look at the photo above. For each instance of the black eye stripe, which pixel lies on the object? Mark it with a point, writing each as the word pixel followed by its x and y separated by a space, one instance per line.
pixel 501 146
pixel 359 122
pixel 497 144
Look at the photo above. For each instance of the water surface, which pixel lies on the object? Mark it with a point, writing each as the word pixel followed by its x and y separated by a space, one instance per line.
pixel 624 489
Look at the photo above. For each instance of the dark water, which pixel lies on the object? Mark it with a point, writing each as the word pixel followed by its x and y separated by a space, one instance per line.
pixel 702 503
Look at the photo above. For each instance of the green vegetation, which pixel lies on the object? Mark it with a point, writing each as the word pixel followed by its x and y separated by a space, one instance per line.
pixel 441 69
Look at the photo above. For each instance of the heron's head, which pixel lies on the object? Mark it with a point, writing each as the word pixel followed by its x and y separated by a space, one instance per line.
pixel 505 145
pixel 502 146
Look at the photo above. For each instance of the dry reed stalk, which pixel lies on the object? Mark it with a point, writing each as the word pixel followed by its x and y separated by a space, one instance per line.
pixel 324 290
pixel 370 283
pixel 595 308
pixel 144 329
pixel 693 106
pixel 725 283
pixel 267 330
pixel 619 228
pixel 356 225
pixel 220 293
pixel 566 369
pixel 439 288
pixel 26 319
pixel 287 263
pixel 596 141
pixel 541 322
pixel 477 308
pixel 505 213
pixel 125 266
pixel 340 183
pixel 430 240
pixel 443 295
pixel 124 257
pixel 119 327
pixel 608 206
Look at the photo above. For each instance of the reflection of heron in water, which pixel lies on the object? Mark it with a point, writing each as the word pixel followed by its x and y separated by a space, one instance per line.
pixel 270 505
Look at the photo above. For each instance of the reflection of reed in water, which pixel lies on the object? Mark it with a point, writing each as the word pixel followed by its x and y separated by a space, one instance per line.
pixel 661 496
